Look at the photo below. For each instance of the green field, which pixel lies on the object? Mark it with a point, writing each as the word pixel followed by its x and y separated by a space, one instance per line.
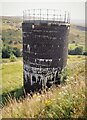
pixel 12 75
pixel 68 100
pixel 12 78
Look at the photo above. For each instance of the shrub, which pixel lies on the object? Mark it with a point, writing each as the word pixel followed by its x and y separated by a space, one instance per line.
pixel 6 51
pixel 73 41
pixel 15 42
pixel 17 52
pixel 76 51
pixel 85 53
pixel 10 42
pixel 71 52
pixel 13 58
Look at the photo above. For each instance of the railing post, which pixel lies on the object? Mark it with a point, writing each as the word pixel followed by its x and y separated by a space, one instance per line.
pixel 29 15
pixel 34 15
pixel 65 17
pixel 47 14
pixel 23 16
pixel 40 15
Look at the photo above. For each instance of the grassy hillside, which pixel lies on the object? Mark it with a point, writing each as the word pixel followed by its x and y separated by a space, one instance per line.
pixel 12 32
pixel 68 100
pixel 76 35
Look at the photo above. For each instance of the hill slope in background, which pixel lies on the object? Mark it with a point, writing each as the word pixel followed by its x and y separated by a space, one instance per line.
pixel 12 32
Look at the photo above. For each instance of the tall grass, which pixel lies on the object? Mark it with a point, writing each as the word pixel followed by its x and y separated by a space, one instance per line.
pixel 65 101
pixel 12 75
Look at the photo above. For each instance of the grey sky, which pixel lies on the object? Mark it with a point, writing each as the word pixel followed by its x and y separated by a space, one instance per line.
pixel 76 9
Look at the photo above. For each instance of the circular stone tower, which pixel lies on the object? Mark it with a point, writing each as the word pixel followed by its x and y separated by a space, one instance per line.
pixel 45 46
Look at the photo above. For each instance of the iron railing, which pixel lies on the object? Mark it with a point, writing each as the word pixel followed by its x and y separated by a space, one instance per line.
pixel 46 15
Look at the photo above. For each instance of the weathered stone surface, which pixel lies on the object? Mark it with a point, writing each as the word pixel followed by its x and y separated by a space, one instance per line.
pixel 45 47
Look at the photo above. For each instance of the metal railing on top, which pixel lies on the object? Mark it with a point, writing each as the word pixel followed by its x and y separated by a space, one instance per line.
pixel 46 15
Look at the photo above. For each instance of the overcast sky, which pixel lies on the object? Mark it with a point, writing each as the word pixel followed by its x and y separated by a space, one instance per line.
pixel 76 9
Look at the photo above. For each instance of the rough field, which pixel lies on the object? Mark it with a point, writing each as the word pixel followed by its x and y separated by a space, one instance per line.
pixel 67 100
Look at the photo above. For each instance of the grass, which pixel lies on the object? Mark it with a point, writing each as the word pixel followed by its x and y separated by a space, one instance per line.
pixel 73 46
pixel 12 75
pixel 65 101
pixel 12 79
pixel 74 31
